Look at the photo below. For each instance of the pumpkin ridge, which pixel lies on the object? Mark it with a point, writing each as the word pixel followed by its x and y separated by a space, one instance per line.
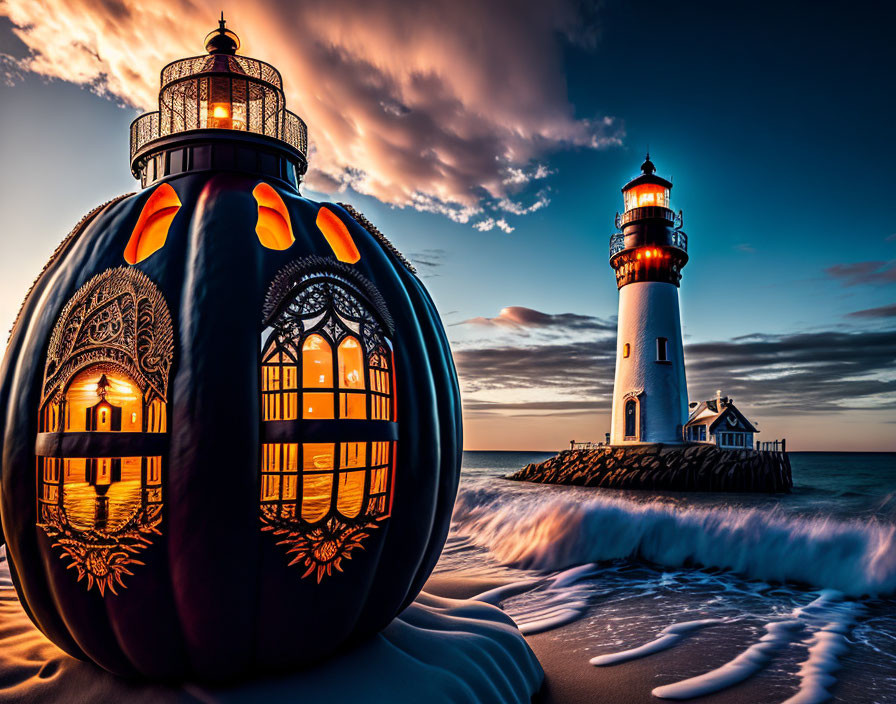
pixel 372 229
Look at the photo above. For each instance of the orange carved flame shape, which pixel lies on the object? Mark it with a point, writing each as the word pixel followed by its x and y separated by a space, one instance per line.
pixel 152 226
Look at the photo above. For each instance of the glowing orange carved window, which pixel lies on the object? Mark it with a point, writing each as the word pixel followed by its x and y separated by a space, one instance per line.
pixel 101 504
pixel 273 228
pixel 326 494
pixel 151 230
pixel 337 235
pixel 317 480
pixel 351 376
pixel 317 371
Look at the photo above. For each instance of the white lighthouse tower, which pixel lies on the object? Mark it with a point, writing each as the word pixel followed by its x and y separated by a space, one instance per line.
pixel 650 397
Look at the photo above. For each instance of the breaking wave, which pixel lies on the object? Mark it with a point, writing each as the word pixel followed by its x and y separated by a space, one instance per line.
pixel 547 534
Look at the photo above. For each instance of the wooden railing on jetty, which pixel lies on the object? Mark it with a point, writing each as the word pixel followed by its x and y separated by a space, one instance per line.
pixel 772 445
pixel 767 446
pixel 573 445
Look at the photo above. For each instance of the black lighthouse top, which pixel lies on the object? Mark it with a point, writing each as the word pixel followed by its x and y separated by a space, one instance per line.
pixel 222 40
pixel 220 111
pixel 647 176
pixel 650 245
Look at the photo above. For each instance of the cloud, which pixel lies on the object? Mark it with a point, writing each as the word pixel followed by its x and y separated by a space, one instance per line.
pixel 806 373
pixel 490 224
pixel 501 224
pixel 516 317
pixel 863 273
pixel 881 312
pixel 747 248
pixel 442 106
pixel 515 208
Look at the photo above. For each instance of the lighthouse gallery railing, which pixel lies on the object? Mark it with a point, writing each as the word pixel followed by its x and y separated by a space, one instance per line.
pixel 292 130
pixel 677 238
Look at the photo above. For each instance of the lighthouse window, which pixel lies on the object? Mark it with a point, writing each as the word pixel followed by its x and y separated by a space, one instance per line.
pixel 626 350
pixel 661 349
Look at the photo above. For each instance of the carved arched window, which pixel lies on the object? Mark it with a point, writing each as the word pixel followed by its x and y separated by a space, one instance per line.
pixel 328 412
pixel 101 439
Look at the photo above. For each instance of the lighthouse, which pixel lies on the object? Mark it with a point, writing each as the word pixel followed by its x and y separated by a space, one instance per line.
pixel 648 252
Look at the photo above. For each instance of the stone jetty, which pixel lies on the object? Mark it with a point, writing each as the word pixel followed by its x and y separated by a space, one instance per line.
pixel 665 467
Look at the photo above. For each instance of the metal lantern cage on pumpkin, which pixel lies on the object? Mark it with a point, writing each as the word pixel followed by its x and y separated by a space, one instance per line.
pixel 219 90
pixel 204 469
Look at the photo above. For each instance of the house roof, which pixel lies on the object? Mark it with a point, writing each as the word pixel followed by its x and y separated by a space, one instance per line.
pixel 718 410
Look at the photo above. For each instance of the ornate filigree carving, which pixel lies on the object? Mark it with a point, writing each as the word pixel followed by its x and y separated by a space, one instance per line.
pixel 297 274
pixel 120 317
pixel 118 322
pixel 102 558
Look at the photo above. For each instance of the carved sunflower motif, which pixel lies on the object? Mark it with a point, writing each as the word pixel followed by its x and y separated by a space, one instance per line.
pixel 323 548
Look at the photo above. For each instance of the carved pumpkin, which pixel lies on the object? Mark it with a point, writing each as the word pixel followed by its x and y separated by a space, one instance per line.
pixel 231 423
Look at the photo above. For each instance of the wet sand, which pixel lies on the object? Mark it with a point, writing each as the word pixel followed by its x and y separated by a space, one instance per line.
pixel 570 679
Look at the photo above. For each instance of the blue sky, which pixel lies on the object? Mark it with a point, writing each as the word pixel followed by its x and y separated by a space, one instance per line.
pixel 773 122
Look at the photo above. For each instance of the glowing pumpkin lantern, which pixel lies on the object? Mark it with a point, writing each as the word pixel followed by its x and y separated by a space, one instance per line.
pixel 231 422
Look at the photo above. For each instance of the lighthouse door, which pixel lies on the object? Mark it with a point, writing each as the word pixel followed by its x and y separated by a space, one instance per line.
pixel 631 419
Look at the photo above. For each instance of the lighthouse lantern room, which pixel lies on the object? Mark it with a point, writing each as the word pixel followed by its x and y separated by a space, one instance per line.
pixel 650 400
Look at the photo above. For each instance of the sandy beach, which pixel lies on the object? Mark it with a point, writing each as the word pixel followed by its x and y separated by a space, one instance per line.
pixel 439 650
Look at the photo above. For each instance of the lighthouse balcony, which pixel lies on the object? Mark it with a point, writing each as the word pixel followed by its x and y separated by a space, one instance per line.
pixel 675 238
pixel 647 212
pixel 286 127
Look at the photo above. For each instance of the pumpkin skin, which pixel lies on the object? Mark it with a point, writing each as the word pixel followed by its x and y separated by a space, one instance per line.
pixel 212 595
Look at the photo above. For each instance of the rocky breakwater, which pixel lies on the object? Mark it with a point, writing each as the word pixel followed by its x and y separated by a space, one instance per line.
pixel 665 467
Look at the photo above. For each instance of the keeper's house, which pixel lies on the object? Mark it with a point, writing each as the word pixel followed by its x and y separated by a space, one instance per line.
pixel 718 422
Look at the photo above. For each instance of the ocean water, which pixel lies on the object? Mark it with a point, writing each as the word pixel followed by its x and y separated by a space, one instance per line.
pixel 800 588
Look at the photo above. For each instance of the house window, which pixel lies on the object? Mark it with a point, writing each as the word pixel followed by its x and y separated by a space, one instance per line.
pixel 661 351
pixel 626 350
pixel 631 419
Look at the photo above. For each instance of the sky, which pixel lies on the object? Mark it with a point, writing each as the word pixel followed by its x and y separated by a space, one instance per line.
pixel 489 142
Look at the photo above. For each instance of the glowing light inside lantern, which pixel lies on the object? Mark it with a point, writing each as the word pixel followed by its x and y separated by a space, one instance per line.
pixel 220 116
pixel 646 194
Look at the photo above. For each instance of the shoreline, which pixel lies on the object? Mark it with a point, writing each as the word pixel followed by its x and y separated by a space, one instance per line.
pixel 570 679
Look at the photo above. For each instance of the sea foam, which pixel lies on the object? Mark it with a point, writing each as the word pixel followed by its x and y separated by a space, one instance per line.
pixel 553 533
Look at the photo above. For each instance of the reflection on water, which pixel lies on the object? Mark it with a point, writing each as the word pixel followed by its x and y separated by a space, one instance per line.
pixel 85 502
pixel 79 500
